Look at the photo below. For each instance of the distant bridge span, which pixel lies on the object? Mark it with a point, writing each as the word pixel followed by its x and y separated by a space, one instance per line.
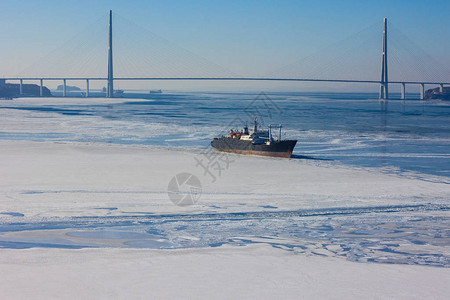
pixel 223 78
pixel 87 79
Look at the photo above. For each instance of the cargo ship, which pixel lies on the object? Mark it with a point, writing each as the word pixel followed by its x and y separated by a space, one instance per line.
pixel 255 142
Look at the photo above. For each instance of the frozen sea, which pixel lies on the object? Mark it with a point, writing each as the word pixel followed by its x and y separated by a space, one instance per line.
pixel 377 191
pixel 356 129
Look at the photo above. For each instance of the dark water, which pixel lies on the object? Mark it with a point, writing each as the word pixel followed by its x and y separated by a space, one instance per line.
pixel 354 129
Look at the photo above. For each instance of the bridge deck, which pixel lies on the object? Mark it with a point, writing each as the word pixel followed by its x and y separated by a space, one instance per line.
pixel 225 78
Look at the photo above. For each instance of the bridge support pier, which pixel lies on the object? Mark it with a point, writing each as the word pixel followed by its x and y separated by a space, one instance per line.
pixel 64 88
pixel 87 88
pixel 21 87
pixel 383 105
pixel 403 91
pixel 422 91
pixel 441 88
pixel 41 88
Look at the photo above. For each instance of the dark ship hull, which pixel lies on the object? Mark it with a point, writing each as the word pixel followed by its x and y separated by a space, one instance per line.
pixel 274 149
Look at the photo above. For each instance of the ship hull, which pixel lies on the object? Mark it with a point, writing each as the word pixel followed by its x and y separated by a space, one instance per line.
pixel 275 149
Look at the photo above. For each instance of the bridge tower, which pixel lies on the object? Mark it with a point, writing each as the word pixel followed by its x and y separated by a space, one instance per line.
pixel 110 91
pixel 384 93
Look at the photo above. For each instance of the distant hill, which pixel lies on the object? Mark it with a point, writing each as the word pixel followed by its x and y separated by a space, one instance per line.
pixel 435 94
pixel 13 90
pixel 68 88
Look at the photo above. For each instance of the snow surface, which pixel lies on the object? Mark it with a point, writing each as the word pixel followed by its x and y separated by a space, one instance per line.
pixel 256 272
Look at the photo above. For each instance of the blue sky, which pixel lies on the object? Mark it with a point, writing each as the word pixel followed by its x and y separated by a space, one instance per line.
pixel 240 35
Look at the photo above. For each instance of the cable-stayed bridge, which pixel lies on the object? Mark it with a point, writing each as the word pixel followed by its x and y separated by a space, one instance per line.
pixel 284 74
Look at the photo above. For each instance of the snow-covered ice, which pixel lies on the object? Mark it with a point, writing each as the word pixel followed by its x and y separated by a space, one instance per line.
pixel 253 272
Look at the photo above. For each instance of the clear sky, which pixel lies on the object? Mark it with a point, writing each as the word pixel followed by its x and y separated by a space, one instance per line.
pixel 240 35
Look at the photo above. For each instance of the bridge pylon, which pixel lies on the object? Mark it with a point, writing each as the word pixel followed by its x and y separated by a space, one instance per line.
pixel 384 91
pixel 110 90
